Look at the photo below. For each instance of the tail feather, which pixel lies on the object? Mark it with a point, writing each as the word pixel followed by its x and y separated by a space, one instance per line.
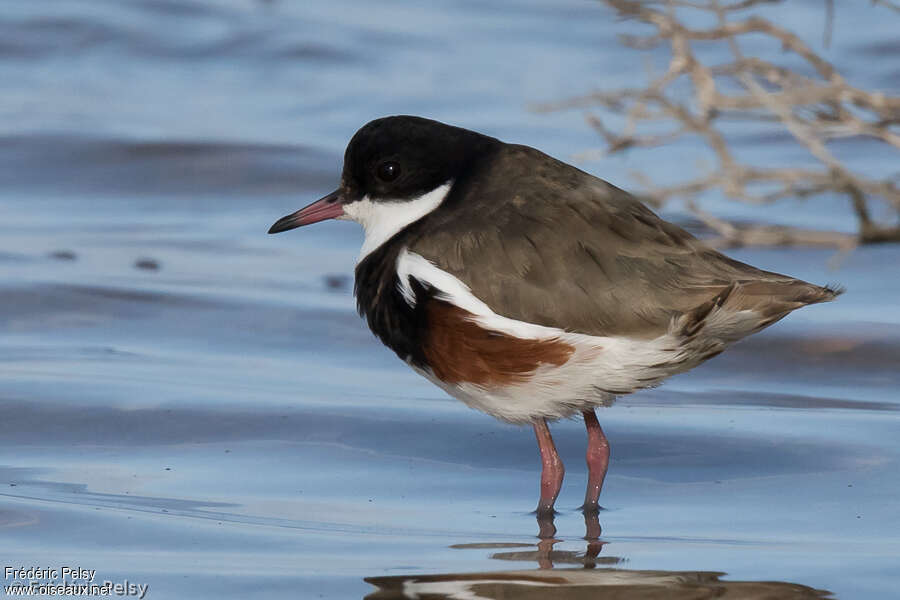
pixel 743 308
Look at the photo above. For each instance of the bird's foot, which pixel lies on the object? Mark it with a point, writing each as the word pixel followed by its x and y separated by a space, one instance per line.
pixel 590 508
pixel 545 511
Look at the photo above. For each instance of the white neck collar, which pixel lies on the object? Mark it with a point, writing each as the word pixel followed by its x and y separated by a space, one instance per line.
pixel 383 219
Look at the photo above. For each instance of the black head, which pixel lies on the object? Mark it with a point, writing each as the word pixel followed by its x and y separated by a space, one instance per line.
pixel 395 159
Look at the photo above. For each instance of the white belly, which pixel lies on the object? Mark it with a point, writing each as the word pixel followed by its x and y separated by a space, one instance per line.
pixel 599 369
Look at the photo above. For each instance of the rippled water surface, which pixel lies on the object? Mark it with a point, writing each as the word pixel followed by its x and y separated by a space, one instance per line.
pixel 190 404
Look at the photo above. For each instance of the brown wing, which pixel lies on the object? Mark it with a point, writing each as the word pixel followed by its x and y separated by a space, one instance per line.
pixel 582 255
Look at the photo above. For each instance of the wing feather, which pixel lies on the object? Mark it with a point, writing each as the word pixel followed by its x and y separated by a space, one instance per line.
pixel 561 248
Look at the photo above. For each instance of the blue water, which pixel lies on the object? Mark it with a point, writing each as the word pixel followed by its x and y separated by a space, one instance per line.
pixel 218 422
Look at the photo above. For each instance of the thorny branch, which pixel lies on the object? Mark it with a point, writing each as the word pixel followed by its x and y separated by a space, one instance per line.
pixel 815 105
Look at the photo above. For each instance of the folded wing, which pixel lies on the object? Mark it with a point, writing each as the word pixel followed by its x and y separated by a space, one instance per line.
pixel 579 254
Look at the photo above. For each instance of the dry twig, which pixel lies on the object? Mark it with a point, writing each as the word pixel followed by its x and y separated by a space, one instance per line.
pixel 816 106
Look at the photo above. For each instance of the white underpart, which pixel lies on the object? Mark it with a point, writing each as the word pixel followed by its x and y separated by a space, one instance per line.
pixel 384 218
pixel 573 579
pixel 599 368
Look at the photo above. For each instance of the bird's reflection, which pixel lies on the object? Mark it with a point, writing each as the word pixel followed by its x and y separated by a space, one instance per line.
pixel 547 558
pixel 570 575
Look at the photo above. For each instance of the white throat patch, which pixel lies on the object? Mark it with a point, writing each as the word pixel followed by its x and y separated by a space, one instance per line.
pixel 382 220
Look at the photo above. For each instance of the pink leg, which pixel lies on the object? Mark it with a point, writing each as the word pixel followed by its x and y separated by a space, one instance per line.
pixel 597 460
pixel 552 471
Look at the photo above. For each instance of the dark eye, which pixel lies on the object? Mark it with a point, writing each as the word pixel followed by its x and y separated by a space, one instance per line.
pixel 388 171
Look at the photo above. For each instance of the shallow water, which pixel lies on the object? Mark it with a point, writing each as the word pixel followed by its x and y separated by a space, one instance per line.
pixel 195 406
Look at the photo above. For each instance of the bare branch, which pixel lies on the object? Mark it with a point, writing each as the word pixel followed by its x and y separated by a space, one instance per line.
pixel 815 107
